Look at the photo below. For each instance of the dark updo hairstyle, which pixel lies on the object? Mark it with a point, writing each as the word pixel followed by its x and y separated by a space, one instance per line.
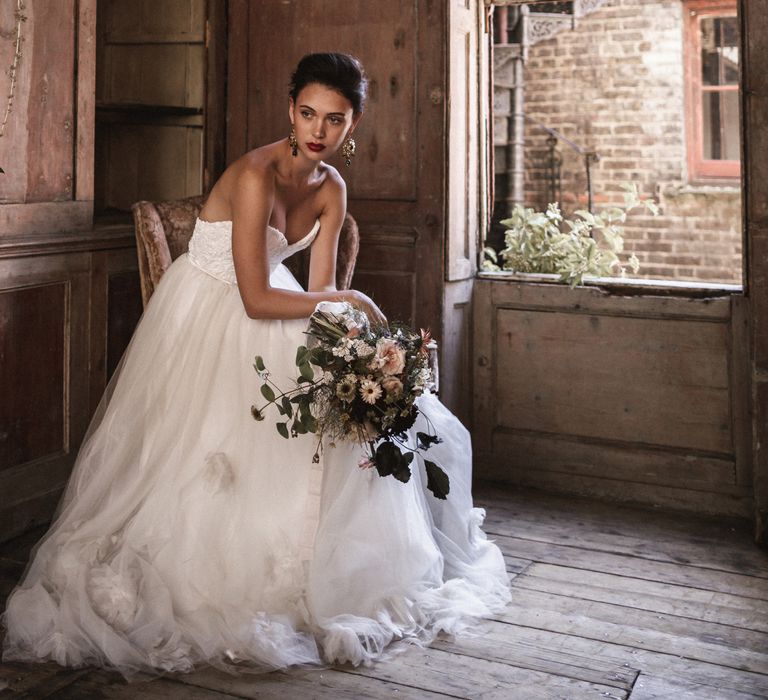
pixel 338 71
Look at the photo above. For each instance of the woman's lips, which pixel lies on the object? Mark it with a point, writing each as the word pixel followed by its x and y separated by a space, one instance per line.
pixel 317 147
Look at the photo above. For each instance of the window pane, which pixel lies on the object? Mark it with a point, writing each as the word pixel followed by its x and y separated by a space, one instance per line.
pixel 720 113
pixel 719 51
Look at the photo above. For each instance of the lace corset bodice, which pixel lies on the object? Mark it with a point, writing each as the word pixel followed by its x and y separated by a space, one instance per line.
pixel 210 248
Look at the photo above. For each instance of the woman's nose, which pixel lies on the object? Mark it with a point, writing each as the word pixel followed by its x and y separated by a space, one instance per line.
pixel 319 129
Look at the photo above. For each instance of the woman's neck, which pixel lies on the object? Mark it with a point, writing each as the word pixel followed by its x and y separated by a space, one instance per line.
pixel 296 171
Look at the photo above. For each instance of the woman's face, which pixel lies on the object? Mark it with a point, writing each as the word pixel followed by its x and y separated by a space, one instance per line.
pixel 322 118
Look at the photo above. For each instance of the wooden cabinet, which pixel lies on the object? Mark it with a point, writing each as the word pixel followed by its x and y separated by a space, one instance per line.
pixel 150 94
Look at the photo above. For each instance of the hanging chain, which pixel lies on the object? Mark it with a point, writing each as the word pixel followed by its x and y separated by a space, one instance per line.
pixel 20 18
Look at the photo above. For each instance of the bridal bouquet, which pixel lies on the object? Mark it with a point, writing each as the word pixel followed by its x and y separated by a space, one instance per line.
pixel 358 384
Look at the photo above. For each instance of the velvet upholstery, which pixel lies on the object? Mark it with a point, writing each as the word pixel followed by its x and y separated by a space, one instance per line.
pixel 163 230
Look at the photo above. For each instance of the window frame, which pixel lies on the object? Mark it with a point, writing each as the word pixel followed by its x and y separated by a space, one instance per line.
pixel 700 169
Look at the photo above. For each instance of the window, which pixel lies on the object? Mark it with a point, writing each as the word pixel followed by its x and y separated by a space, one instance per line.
pixel 712 57
pixel 592 95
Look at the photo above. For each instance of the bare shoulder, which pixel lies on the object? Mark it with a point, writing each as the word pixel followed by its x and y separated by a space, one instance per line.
pixel 255 167
pixel 334 189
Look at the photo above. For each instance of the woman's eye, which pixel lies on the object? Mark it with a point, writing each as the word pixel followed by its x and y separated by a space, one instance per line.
pixel 306 115
pixel 335 120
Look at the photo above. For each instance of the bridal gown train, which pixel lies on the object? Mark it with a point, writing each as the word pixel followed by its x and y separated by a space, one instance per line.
pixel 190 534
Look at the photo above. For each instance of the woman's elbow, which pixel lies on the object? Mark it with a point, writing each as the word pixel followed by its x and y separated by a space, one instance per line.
pixel 257 311
pixel 256 306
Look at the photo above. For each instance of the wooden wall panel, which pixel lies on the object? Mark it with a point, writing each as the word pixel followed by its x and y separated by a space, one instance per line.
pixel 32 422
pixel 631 398
pixel 124 310
pixel 37 148
pixel 456 350
pixel 155 162
pixel 754 144
pixel 46 150
pixel 51 111
pixel 617 378
pixel 155 74
pixel 57 323
pixel 141 20
pixel 463 146
pixel 45 304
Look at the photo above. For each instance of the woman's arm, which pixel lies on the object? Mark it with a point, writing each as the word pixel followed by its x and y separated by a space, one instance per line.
pixel 324 251
pixel 252 201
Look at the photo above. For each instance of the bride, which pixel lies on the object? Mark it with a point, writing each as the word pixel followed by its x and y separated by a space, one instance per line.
pixel 189 533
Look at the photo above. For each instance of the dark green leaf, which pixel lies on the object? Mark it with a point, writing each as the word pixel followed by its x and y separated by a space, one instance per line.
pixel 267 393
pixel 301 355
pixel 306 371
pixel 426 440
pixel 304 380
pixel 310 423
pixel 287 408
pixel 402 472
pixel 282 428
pixel 390 460
pixel 437 480
pixel 259 363
pixel 298 427
pixel 385 458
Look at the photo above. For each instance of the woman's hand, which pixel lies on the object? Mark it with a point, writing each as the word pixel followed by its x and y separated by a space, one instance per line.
pixel 366 304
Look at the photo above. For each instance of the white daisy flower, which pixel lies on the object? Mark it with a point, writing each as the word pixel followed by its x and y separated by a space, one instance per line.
pixel 370 391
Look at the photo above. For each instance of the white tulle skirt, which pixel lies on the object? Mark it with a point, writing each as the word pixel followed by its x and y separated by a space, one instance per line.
pixel 191 534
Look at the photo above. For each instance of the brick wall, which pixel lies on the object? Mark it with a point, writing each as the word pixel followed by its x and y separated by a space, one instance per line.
pixel 615 85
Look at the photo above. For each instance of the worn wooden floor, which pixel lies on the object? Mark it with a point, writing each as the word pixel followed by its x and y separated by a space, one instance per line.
pixel 609 602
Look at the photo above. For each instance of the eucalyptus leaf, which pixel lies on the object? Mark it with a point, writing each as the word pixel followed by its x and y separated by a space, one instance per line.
pixel 282 428
pixel 259 363
pixel 306 371
pixel 267 393
pixel 287 408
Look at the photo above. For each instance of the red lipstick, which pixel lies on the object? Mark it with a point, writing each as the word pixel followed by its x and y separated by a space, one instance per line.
pixel 317 147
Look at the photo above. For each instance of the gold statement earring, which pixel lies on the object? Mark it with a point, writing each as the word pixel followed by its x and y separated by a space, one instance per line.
pixel 293 143
pixel 348 150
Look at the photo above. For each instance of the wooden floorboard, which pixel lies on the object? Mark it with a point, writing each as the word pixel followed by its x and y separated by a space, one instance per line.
pixel 609 602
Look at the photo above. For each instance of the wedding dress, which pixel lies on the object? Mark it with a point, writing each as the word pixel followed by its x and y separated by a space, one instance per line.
pixel 190 533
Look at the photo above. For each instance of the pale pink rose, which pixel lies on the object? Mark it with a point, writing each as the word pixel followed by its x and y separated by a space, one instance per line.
pixel 365 463
pixel 393 386
pixel 353 332
pixel 390 357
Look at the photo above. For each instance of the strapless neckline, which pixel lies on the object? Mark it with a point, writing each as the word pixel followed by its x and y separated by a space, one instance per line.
pixel 228 223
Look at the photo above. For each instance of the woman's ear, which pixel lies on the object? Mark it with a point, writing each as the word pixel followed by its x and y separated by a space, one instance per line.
pixel 290 109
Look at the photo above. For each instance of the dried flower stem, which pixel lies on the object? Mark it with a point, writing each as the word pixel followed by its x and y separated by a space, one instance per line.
pixel 20 18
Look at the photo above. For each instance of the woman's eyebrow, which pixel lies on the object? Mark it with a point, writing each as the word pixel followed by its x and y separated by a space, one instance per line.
pixel 339 114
